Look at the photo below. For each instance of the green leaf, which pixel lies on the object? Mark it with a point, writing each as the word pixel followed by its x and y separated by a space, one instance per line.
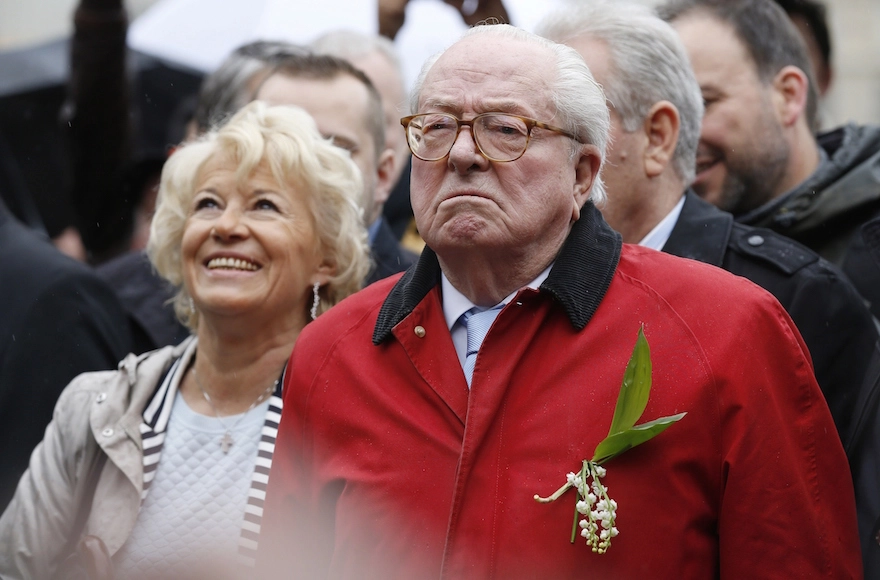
pixel 636 387
pixel 617 443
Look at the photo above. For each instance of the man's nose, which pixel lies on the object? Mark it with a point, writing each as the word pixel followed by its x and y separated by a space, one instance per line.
pixel 465 156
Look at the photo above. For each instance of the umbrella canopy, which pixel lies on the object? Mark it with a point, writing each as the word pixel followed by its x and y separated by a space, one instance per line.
pixel 33 68
pixel 34 168
pixel 201 33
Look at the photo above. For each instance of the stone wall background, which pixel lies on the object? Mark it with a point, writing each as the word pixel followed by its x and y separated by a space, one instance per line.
pixel 855 94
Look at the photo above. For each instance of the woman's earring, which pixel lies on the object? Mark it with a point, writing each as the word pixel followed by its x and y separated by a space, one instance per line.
pixel 191 304
pixel 316 301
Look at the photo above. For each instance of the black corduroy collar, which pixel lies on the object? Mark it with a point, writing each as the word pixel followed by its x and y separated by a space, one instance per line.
pixel 578 280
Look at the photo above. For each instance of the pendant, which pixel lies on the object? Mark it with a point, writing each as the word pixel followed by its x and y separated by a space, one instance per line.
pixel 226 442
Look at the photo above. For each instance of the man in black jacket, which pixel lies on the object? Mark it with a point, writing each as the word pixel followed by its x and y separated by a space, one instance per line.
pixel 758 157
pixel 57 320
pixel 656 108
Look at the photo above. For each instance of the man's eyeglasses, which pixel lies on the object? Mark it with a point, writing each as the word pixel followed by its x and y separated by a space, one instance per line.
pixel 499 137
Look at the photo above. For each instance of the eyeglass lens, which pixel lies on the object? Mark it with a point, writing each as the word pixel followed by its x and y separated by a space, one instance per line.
pixel 499 137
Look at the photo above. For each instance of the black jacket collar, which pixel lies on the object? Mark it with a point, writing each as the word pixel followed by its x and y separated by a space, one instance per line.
pixel 703 223
pixel 579 279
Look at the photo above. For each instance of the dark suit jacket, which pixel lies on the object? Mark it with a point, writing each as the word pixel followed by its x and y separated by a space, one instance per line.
pixel 827 310
pixel 862 265
pixel 388 256
pixel 397 210
pixel 57 320
pixel 144 295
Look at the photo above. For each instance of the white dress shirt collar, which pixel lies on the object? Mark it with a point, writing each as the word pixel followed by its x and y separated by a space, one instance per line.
pixel 658 236
pixel 455 304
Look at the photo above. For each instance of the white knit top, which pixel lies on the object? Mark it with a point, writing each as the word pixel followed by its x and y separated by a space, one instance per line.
pixel 194 511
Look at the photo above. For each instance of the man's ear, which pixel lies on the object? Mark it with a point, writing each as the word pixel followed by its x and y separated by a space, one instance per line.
pixel 384 177
pixel 790 88
pixel 586 174
pixel 661 127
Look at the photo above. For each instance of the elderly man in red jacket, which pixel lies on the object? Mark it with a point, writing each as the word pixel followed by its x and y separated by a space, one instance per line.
pixel 407 450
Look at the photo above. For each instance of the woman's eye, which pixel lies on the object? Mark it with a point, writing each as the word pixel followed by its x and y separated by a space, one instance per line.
pixel 206 203
pixel 265 204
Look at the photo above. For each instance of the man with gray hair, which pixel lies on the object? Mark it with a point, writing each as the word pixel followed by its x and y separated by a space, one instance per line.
pixel 656 108
pixel 429 418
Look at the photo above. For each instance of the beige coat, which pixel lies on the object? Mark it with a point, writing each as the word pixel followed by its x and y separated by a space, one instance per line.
pixel 97 412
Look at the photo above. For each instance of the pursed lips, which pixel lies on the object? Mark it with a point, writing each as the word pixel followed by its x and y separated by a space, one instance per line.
pixel 467 193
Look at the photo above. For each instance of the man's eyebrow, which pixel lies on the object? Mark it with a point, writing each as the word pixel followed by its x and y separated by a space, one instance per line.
pixel 342 142
pixel 441 104
pixel 503 107
pixel 710 90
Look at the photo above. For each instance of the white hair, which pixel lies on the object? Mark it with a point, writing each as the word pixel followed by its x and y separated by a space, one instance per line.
pixel 578 99
pixel 648 64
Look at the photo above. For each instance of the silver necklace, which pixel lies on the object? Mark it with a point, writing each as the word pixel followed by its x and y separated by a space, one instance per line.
pixel 227 441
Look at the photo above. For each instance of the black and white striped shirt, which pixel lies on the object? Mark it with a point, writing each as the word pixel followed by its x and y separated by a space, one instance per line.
pixel 155 422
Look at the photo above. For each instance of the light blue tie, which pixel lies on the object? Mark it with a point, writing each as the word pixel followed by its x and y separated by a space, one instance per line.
pixel 477 322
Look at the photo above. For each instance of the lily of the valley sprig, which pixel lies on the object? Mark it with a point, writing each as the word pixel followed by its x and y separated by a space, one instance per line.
pixel 598 510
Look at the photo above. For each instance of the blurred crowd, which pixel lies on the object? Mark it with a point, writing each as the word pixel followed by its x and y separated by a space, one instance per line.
pixel 166 236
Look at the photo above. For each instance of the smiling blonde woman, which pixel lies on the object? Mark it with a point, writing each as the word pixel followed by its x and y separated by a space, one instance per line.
pixel 163 463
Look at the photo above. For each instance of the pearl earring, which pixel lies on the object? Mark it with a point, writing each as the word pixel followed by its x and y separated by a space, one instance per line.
pixel 316 301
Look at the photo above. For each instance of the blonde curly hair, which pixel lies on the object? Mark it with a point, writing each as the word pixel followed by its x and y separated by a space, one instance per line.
pixel 287 140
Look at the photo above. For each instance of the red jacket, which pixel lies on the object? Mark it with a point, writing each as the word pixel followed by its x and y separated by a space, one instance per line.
pixel 387 467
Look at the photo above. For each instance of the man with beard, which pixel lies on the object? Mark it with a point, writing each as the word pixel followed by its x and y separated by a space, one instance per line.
pixel 757 157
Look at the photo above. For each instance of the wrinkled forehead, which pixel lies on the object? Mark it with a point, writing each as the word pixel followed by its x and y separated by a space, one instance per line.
pixel 489 73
